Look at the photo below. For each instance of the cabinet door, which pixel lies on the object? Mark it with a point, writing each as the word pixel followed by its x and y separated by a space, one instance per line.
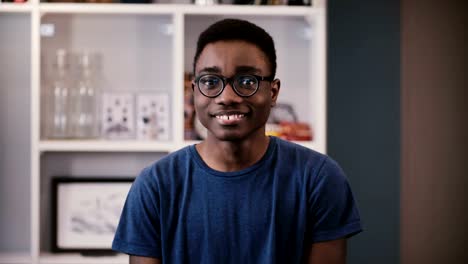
pixel 135 59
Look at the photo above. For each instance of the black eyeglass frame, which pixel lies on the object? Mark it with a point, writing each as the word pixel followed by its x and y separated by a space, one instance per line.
pixel 231 80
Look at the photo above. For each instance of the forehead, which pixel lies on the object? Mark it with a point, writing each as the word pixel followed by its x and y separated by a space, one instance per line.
pixel 227 56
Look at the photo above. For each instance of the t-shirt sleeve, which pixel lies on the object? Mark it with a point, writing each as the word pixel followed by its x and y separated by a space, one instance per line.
pixel 138 232
pixel 333 213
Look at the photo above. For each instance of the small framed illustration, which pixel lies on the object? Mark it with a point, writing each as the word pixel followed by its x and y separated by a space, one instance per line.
pixel 153 116
pixel 118 120
pixel 86 212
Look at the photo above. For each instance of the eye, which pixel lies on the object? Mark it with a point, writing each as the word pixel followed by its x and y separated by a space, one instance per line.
pixel 209 81
pixel 247 81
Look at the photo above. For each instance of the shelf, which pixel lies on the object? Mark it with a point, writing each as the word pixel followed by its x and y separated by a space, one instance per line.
pixel 175 8
pixel 15 258
pixel 76 8
pixel 15 8
pixel 123 145
pixel 104 146
pixel 80 259
pixel 281 10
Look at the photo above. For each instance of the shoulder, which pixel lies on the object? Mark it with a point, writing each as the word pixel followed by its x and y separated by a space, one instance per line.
pixel 166 168
pixel 291 147
pixel 178 156
pixel 311 165
pixel 298 155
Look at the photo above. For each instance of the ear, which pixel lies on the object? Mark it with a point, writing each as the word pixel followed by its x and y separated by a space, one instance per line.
pixel 275 88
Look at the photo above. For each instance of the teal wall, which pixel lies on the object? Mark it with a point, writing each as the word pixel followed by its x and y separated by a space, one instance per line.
pixel 364 118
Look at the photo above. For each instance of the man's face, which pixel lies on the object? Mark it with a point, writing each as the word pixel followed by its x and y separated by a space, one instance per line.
pixel 230 116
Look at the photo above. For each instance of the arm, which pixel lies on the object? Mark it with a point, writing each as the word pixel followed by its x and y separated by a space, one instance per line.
pixel 333 216
pixel 143 260
pixel 138 232
pixel 328 252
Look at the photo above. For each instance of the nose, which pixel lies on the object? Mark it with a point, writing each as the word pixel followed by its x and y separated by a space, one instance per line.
pixel 228 96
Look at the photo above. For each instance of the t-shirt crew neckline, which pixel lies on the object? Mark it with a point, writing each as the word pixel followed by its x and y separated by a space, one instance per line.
pixel 268 154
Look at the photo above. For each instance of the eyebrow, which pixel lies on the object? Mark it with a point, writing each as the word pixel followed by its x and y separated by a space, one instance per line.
pixel 239 69
pixel 247 69
pixel 213 69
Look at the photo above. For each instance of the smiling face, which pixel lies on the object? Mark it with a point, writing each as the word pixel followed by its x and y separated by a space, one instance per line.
pixel 229 117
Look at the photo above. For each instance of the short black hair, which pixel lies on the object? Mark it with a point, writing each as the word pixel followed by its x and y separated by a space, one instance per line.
pixel 237 29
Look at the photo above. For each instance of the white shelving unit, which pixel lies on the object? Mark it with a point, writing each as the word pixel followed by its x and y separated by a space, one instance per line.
pixel 73 258
pixel 18 258
pixel 145 48
pixel 15 8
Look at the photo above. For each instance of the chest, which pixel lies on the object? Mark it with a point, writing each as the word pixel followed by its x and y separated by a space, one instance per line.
pixel 245 217
pixel 248 205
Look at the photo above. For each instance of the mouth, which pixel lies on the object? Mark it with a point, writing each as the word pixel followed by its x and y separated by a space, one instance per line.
pixel 230 117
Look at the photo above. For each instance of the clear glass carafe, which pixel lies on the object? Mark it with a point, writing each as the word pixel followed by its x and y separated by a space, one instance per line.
pixel 85 97
pixel 57 98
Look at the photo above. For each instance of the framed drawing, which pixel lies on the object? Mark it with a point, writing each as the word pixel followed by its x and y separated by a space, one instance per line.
pixel 118 120
pixel 86 212
pixel 153 118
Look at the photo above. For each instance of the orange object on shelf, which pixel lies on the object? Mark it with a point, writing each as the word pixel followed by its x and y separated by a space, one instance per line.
pixel 295 131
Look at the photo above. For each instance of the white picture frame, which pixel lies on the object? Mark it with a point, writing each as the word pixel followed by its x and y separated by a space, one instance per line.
pixel 118 116
pixel 153 116
pixel 86 212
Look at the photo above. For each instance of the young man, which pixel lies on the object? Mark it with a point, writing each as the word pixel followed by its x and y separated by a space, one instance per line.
pixel 239 196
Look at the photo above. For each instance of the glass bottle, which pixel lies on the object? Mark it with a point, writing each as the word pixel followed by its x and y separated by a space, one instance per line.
pixel 85 96
pixel 57 101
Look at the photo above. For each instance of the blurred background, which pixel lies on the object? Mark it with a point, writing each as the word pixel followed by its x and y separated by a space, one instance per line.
pixel 398 124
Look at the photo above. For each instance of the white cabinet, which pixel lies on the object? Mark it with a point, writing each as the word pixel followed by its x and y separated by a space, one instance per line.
pixel 144 49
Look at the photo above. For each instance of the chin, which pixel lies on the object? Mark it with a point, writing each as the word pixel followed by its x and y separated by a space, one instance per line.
pixel 228 136
pixel 233 135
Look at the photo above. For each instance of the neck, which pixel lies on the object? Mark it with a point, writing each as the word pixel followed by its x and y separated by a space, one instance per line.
pixel 229 156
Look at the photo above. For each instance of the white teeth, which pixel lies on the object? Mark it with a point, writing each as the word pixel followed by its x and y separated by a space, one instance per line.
pixel 230 117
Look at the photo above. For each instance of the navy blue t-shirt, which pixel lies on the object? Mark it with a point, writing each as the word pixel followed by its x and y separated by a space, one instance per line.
pixel 182 211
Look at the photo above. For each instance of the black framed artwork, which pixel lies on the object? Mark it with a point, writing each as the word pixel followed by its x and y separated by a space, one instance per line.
pixel 86 212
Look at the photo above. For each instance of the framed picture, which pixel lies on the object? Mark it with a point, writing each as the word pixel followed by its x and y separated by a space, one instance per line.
pixel 118 120
pixel 86 212
pixel 153 118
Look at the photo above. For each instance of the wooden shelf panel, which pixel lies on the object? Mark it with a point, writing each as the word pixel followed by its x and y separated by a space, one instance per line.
pixel 104 146
pixel 15 7
pixel 74 258
pixel 15 258
pixel 176 8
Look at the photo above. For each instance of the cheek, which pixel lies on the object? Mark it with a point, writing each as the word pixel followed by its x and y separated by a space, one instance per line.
pixel 199 101
pixel 263 108
pixel 263 100
pixel 200 110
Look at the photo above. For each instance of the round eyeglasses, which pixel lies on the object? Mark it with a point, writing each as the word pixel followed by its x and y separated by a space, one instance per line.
pixel 244 85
